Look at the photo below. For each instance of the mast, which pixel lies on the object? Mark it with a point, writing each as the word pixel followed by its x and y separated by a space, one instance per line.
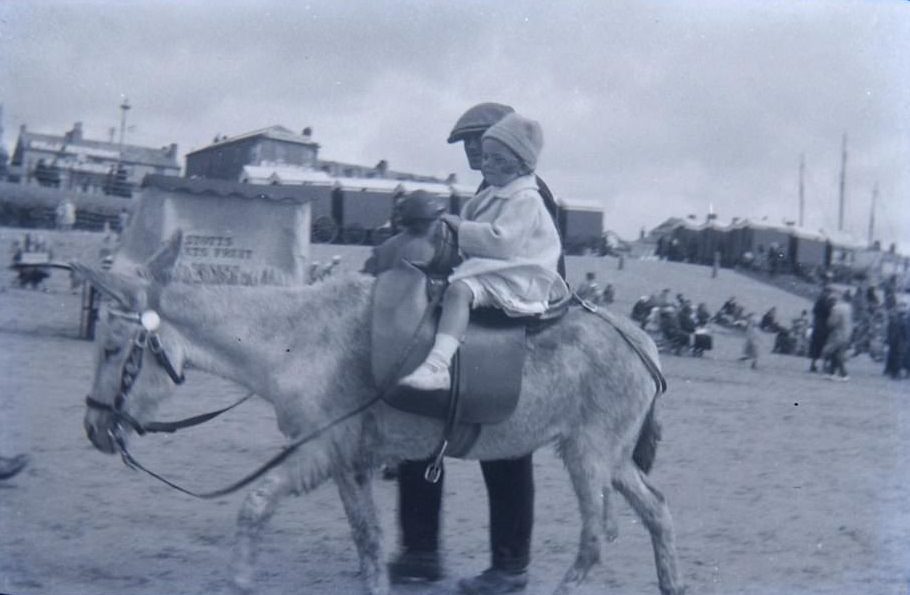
pixel 124 107
pixel 802 194
pixel 843 179
pixel 872 213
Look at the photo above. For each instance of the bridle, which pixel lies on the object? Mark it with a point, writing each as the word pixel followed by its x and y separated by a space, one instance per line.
pixel 146 336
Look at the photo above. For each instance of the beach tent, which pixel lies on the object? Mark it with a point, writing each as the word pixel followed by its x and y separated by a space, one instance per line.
pixel 233 233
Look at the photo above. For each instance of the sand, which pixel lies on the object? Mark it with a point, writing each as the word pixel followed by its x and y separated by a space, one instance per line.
pixel 779 481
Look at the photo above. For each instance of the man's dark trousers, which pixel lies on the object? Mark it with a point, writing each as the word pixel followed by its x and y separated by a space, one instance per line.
pixel 510 488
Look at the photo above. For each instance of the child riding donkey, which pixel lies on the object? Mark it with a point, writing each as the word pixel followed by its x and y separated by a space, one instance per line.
pixel 510 243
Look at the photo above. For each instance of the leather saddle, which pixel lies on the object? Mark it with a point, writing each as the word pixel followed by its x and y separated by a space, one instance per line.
pixel 486 372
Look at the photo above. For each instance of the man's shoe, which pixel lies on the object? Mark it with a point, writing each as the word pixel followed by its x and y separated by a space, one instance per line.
pixel 10 467
pixel 493 581
pixel 413 567
pixel 427 377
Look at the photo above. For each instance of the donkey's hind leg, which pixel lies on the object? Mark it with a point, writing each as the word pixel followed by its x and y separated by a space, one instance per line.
pixel 587 476
pixel 651 506
pixel 611 525
pixel 257 508
pixel 356 492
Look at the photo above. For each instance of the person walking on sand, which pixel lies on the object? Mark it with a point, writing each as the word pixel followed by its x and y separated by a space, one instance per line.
pixel 820 312
pixel 840 329
pixel 750 348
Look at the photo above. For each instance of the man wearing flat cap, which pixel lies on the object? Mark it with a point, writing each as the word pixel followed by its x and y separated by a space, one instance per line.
pixel 510 483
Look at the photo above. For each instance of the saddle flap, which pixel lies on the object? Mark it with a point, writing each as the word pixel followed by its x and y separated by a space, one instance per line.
pixel 491 363
pixel 399 303
pixel 488 366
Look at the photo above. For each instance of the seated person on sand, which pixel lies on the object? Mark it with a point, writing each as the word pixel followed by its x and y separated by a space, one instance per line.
pixel 671 329
pixel 509 241
pixel 769 321
pixel 702 314
pixel 589 290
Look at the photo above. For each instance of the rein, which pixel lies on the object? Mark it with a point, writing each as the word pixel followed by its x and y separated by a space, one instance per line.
pixel 133 365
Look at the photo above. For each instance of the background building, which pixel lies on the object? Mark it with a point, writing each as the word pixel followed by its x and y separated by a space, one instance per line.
pixel 225 158
pixel 72 162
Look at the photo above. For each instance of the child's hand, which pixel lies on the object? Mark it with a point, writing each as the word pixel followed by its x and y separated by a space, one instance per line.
pixel 452 220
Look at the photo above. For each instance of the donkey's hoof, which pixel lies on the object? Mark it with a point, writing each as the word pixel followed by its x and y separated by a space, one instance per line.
pixel 611 531
pixel 243 579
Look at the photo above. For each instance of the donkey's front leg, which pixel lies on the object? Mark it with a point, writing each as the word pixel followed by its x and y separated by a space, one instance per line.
pixel 258 507
pixel 356 492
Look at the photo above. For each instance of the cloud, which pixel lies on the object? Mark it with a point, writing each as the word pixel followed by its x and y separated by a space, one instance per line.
pixel 653 109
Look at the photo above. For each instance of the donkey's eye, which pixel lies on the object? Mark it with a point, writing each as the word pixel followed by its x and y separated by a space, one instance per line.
pixel 110 351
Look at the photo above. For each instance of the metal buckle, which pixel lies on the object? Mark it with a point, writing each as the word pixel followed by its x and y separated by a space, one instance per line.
pixel 141 339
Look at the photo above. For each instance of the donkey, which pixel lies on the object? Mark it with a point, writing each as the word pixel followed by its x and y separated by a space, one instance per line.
pixel 306 351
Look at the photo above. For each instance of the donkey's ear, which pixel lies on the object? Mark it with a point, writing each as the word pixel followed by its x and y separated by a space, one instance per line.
pixel 161 265
pixel 127 292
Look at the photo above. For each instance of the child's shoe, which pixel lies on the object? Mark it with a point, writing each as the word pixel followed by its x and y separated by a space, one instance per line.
pixel 428 376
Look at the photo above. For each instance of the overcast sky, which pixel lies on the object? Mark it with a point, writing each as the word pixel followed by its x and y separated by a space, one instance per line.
pixel 652 109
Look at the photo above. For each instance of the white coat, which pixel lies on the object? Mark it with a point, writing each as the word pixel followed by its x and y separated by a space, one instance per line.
pixel 511 247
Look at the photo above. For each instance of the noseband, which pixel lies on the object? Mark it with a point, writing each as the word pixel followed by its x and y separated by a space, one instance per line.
pixel 145 336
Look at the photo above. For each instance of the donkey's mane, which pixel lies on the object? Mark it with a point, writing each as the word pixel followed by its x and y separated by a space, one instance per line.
pixel 274 309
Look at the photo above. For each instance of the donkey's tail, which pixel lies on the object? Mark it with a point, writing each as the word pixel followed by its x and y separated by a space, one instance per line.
pixel 646 448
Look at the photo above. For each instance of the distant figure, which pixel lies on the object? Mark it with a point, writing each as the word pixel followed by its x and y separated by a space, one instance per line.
pixel 820 312
pixel 10 467
pixel 676 338
pixel 702 314
pixel 123 220
pixel 65 215
pixel 641 309
pixel 799 330
pixel 897 339
pixel 750 347
pixel 840 329
pixel 327 271
pixel 589 290
pixel 686 317
pixel 313 274
pixel 608 295
pixel 769 321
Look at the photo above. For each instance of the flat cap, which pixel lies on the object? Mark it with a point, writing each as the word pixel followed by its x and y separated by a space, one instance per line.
pixel 477 119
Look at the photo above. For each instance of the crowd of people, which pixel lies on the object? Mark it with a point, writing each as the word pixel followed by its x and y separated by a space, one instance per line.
pixel 675 323
pixel 842 324
pixel 857 321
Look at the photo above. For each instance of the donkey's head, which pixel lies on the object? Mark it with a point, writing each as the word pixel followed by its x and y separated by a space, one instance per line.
pixel 138 359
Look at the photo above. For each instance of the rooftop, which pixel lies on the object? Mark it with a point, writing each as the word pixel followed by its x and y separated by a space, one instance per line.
pixel 62 145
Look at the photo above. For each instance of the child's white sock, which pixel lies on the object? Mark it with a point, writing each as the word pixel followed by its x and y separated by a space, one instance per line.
pixel 444 348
